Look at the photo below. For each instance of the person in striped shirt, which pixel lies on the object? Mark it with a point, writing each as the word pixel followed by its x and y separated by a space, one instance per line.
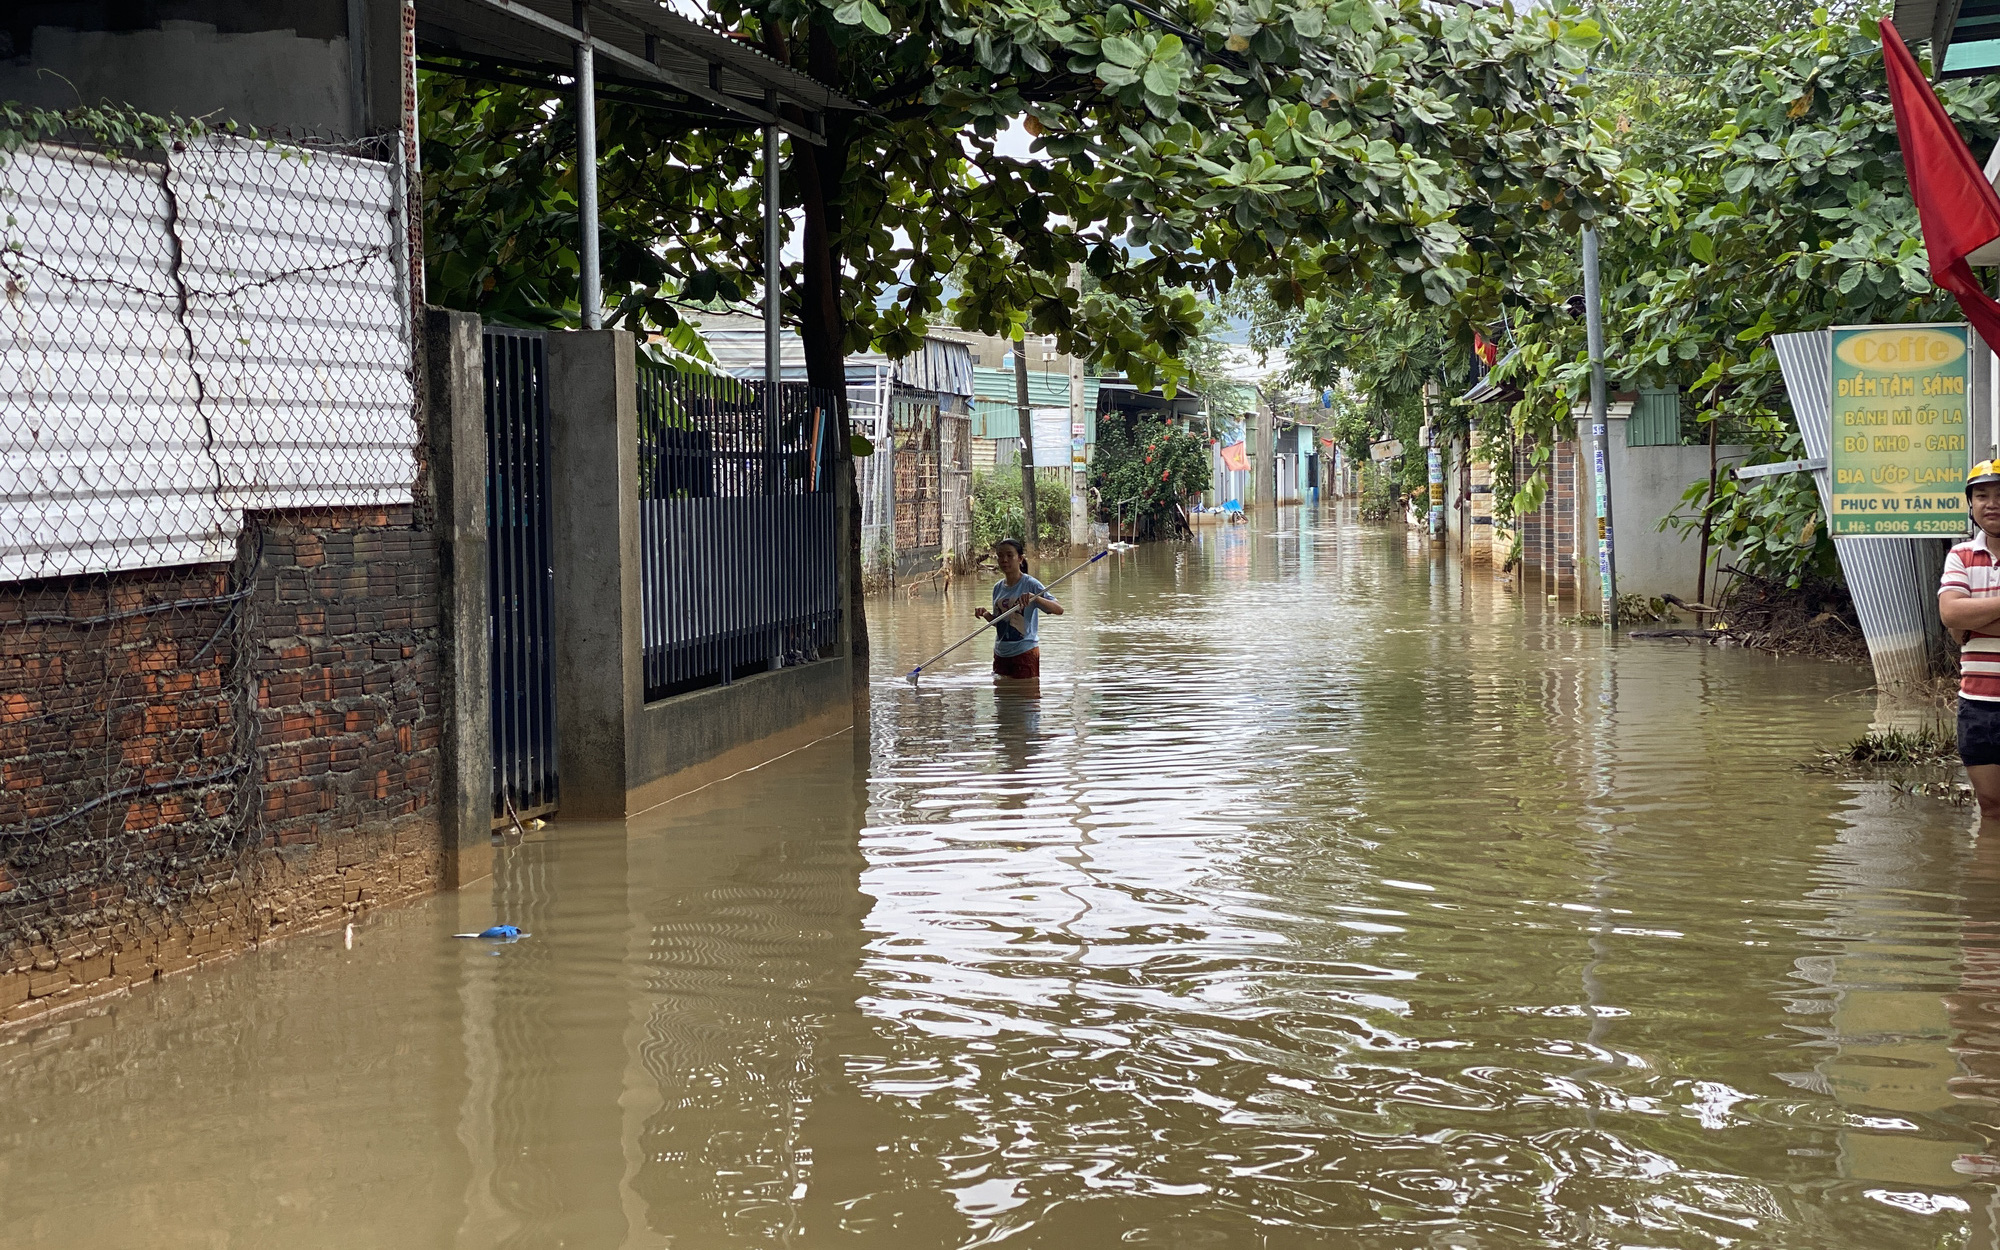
pixel 1969 605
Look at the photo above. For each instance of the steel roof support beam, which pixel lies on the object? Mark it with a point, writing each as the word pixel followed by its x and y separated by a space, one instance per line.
pixel 589 295
pixel 620 59
pixel 774 270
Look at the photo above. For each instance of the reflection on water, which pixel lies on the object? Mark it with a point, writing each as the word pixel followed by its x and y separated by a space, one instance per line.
pixel 1319 895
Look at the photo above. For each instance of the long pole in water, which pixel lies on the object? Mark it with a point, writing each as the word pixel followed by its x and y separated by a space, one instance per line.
pixel 1607 546
pixel 911 676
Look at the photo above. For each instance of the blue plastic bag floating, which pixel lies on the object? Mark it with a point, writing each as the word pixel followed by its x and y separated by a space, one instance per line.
pixel 498 933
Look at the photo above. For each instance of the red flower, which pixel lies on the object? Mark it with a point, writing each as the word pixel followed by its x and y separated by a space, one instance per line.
pixel 1163 475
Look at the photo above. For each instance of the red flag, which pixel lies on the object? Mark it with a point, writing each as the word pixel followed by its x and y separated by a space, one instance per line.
pixel 1488 352
pixel 1233 458
pixel 1955 203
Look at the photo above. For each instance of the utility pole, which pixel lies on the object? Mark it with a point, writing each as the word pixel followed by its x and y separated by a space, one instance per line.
pixel 1433 463
pixel 774 307
pixel 1027 440
pixel 1593 313
pixel 1079 480
pixel 1266 467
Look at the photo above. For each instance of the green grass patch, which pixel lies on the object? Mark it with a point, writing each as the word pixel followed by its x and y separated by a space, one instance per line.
pixel 1935 747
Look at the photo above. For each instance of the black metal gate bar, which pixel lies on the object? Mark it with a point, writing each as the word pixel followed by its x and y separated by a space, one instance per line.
pixel 521 576
pixel 736 538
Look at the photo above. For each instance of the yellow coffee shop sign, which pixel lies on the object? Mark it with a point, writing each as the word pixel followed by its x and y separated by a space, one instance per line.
pixel 1898 462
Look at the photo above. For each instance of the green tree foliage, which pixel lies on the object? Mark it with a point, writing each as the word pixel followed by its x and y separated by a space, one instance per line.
pixel 1378 353
pixel 1791 213
pixel 1303 142
pixel 1378 495
pixel 1143 470
pixel 1765 194
pixel 1664 39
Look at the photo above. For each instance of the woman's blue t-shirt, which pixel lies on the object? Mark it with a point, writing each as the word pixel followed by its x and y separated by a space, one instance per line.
pixel 1016 635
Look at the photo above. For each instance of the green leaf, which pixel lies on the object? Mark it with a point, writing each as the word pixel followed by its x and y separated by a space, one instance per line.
pixel 1702 248
pixel 859 446
pixel 1122 51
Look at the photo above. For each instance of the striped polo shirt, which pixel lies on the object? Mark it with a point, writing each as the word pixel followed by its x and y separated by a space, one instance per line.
pixel 1971 568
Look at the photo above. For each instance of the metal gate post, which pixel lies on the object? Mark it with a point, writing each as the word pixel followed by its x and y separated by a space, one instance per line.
pixel 594 483
pixel 455 412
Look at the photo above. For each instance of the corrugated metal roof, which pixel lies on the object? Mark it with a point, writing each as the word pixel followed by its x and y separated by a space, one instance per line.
pixel 940 365
pixel 736 342
pixel 1964 35
pixel 639 43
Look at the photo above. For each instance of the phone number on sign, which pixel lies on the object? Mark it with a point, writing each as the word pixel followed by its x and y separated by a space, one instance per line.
pixel 1863 526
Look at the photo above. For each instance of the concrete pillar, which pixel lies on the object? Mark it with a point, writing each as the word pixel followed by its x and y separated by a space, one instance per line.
pixel 455 415
pixel 1265 467
pixel 594 547
pixel 1567 504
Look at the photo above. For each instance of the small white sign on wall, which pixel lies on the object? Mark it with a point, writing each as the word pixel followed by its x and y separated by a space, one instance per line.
pixel 1051 427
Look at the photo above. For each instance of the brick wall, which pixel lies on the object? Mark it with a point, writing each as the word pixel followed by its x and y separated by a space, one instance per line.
pixel 1531 526
pixel 1562 494
pixel 194 760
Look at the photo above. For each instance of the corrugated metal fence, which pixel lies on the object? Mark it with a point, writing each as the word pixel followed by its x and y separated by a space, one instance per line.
pixel 221 329
pixel 737 545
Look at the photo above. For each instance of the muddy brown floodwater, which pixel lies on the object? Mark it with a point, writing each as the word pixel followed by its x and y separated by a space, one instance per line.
pixel 1324 897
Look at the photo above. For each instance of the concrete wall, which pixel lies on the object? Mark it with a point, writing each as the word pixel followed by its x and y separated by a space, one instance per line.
pixel 1646 487
pixel 619 754
pixel 286 64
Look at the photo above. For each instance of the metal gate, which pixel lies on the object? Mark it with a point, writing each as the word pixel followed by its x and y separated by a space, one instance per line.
pixel 738 558
pixel 520 576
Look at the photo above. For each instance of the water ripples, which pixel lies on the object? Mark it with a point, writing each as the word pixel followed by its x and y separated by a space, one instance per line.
pixel 1322 891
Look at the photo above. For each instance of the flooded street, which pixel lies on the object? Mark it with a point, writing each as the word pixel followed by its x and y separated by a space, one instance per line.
pixel 1324 896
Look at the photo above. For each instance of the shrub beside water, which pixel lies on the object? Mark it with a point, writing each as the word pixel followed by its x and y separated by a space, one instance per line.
pixel 1378 495
pixel 996 507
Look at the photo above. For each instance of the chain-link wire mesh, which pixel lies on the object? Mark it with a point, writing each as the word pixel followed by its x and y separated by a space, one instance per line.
pixel 208 359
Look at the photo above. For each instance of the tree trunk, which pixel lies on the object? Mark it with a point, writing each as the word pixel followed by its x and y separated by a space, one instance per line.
pixel 1029 517
pixel 822 324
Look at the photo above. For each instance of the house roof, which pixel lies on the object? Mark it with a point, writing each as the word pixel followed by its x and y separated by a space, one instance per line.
pixel 1488 391
pixel 996 411
pixel 736 342
pixel 1964 34
pixel 640 45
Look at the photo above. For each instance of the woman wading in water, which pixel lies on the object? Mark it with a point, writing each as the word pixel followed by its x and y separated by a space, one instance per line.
pixel 1017 649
